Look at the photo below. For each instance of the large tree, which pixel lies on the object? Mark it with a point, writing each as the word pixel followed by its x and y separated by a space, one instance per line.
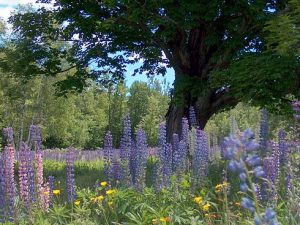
pixel 216 48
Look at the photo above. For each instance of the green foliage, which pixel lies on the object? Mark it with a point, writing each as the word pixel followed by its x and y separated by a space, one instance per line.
pixel 284 30
pixel 207 44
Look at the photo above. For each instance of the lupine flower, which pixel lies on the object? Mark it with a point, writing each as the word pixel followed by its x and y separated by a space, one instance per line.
pixel 2 188
pixel 140 158
pixel 175 146
pixel 166 164
pixel 71 192
pixel 45 197
pixel 9 155
pixel 126 139
pixel 264 132
pixel 185 130
pixel 200 159
pixel 51 181
pixel 283 147
pixel 179 158
pixel 23 174
pixel 242 159
pixel 31 175
pixel 39 173
pixel 8 136
pixel 192 117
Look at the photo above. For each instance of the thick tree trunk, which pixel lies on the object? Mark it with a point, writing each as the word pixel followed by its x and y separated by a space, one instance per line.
pixel 206 104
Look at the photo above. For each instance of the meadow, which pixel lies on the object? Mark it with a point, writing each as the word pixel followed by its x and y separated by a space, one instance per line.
pixel 188 181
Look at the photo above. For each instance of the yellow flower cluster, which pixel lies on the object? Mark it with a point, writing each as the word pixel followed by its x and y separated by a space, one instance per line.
pixel 97 199
pixel 198 200
pixel 77 203
pixel 56 192
pixel 162 219
pixel 110 191
pixel 220 187
pixel 206 207
pixel 103 184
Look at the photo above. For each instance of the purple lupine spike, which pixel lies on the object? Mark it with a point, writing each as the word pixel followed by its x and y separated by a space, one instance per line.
pixel 108 155
pixel 201 155
pixel 162 135
pixel 166 164
pixel 51 181
pixel 71 191
pixel 283 147
pixel 31 136
pixel 270 170
pixel 179 158
pixel 133 163
pixel 38 139
pixel 30 155
pixel 185 130
pixel 23 175
pixel 126 139
pixel 175 145
pixel 9 155
pixel 192 117
pixel 264 132
pixel 2 188
pixel 39 173
pixel 141 158
pixel 9 136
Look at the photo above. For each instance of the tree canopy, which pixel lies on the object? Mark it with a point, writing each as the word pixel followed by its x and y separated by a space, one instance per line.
pixel 218 49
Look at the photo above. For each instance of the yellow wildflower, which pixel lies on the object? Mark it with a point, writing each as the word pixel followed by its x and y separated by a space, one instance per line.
pixel 165 219
pixel 198 200
pixel 46 193
pixel 110 203
pixel 110 192
pixel 77 203
pixel 154 221
pixel 103 183
pixel 56 192
pixel 98 198
pixel 206 207
pixel 206 215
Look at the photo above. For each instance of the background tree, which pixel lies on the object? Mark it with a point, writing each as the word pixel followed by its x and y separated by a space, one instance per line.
pixel 216 48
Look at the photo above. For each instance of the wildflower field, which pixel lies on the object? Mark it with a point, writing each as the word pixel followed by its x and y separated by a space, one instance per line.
pixel 187 181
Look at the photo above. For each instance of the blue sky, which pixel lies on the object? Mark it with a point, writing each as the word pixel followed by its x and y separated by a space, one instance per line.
pixel 7 6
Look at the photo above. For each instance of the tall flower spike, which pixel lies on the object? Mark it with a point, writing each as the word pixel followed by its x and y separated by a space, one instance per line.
pixel 126 138
pixel 201 157
pixel 8 136
pixel 141 158
pixel 2 189
pixel 185 130
pixel 9 155
pixel 51 181
pixel 243 160
pixel 23 175
pixel 192 117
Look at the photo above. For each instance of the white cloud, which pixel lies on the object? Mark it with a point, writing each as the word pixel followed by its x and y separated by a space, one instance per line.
pixel 7 6
pixel 5 12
